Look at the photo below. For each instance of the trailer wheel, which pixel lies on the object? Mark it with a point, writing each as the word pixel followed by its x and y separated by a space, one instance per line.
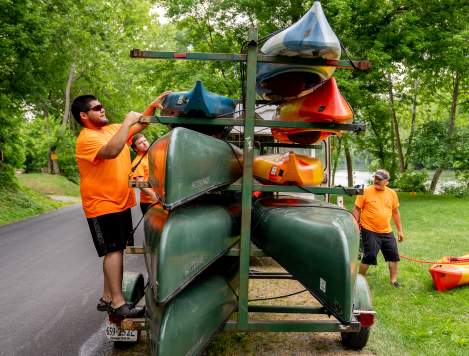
pixel 356 341
pixel 361 301
pixel 133 287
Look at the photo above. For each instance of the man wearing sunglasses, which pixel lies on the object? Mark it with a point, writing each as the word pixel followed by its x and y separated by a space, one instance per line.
pixel 103 159
pixel 373 210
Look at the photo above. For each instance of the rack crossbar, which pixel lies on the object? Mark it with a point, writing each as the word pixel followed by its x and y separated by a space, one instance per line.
pixel 294 326
pixel 240 57
pixel 357 127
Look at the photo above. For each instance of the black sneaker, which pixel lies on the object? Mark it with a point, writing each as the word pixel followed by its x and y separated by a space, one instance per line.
pixel 103 305
pixel 126 311
pixel 396 284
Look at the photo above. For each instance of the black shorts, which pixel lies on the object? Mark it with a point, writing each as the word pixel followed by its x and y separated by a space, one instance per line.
pixel 111 232
pixel 373 242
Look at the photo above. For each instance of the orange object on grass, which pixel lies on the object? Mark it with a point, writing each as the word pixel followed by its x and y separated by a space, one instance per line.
pixel 325 104
pixel 289 168
pixel 447 276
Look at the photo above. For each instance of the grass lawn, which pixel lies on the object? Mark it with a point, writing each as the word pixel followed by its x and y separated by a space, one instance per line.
pixel 31 197
pixel 413 320
pixel 49 184
pixel 417 320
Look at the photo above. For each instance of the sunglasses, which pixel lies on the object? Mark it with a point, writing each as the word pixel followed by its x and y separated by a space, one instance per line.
pixel 96 108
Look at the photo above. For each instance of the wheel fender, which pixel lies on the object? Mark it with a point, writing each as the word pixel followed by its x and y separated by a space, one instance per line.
pixel 132 286
pixel 362 294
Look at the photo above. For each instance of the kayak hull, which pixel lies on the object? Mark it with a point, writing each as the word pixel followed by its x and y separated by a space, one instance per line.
pixel 325 104
pixel 185 164
pixel 186 324
pixel 309 37
pixel 316 242
pixel 448 276
pixel 199 103
pixel 181 244
pixel 289 168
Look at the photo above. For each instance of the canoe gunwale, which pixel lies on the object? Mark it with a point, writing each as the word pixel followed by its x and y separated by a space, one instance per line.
pixel 197 195
pixel 203 268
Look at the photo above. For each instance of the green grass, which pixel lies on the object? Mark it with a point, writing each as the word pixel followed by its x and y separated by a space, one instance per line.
pixel 30 197
pixel 417 320
pixel 49 184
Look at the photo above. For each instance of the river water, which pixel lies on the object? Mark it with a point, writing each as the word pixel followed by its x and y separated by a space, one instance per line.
pixel 365 177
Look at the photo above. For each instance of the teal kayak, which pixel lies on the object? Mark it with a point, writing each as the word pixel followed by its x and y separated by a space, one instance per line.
pixel 316 242
pixel 181 244
pixel 199 102
pixel 186 324
pixel 185 164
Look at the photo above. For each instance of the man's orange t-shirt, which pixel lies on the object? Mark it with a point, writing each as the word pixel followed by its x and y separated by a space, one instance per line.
pixel 142 170
pixel 376 208
pixel 104 183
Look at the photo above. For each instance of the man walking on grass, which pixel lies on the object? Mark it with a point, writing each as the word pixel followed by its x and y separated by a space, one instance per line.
pixel 373 211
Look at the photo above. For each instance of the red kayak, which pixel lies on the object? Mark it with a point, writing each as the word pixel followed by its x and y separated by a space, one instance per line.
pixel 450 275
pixel 325 104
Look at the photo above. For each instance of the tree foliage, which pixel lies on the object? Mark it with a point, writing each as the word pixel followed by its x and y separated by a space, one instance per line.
pixel 52 51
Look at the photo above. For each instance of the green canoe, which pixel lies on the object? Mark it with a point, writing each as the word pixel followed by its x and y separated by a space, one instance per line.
pixel 186 324
pixel 181 243
pixel 316 242
pixel 185 164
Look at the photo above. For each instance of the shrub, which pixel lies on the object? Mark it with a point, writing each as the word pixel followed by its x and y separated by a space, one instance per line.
pixel 412 181
pixel 455 190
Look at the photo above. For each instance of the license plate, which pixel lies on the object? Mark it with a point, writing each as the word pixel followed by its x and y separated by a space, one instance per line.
pixel 115 333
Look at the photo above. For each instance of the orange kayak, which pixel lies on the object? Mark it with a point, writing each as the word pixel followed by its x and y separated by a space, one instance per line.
pixel 447 276
pixel 289 168
pixel 325 104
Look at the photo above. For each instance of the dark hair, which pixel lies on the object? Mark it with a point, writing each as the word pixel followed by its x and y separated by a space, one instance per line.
pixel 81 104
pixel 134 139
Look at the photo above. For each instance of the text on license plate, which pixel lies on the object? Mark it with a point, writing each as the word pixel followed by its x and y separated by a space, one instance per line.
pixel 115 333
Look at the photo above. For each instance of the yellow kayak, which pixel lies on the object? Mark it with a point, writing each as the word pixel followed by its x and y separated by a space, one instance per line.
pixel 289 168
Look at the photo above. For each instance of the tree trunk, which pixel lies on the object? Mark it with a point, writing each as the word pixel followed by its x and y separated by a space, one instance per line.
pixel 435 179
pixel 392 168
pixel 454 104
pixel 50 164
pixel 68 88
pixel 413 122
pixel 396 127
pixel 348 160
pixel 336 160
pixel 451 124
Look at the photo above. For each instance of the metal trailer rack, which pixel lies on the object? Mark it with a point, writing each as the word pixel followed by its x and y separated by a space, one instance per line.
pixel 247 185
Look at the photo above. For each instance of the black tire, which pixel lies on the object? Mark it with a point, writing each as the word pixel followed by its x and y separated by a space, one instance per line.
pixel 361 301
pixel 356 341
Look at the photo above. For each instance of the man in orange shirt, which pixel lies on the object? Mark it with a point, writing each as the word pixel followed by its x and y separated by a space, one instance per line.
pixel 103 160
pixel 140 164
pixel 373 210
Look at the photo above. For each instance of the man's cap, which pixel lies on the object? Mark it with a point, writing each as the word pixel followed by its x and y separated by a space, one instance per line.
pixel 382 174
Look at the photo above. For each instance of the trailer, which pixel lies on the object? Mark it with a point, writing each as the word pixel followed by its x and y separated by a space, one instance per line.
pixel 183 318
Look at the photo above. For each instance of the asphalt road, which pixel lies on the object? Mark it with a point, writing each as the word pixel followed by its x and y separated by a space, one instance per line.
pixel 50 282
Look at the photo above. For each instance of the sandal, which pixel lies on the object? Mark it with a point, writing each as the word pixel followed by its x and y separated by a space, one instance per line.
pixel 126 311
pixel 103 305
